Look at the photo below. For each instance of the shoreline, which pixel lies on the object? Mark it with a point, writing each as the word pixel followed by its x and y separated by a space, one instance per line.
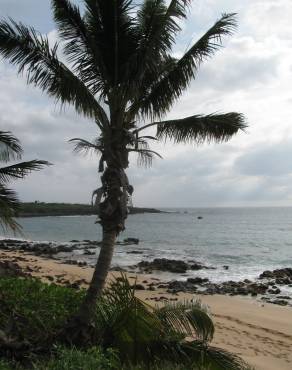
pixel 187 276
pixel 259 332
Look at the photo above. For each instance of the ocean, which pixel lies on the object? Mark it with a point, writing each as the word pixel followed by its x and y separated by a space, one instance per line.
pixel 248 240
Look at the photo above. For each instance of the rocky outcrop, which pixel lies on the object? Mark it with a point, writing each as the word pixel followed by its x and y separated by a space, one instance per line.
pixel 280 276
pixel 53 248
pixel 165 264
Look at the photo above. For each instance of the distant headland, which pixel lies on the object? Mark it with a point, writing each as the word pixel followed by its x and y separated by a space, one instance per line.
pixel 39 209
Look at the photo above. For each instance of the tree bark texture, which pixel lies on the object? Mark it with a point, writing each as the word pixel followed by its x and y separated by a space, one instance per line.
pixel 99 276
pixel 113 213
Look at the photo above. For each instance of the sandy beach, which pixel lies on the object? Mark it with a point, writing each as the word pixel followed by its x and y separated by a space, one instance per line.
pixel 261 333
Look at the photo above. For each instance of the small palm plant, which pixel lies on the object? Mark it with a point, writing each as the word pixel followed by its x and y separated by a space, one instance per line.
pixel 179 333
pixel 121 73
pixel 10 149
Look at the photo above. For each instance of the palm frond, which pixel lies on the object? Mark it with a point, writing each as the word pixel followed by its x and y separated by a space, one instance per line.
pixel 82 146
pixel 20 170
pixel 199 129
pixel 79 46
pixel 9 205
pixel 71 28
pixel 10 147
pixel 112 30
pixel 157 25
pixel 188 319
pixel 145 156
pixel 32 53
pixel 213 358
pixel 167 90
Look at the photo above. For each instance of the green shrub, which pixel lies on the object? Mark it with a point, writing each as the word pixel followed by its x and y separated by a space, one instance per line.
pixel 36 309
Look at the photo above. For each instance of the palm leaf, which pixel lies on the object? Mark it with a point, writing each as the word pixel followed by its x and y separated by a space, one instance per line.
pixel 145 156
pixel 163 94
pixel 200 129
pixel 79 46
pixel 9 205
pixel 20 170
pixel 112 30
pixel 29 50
pixel 157 27
pixel 188 319
pixel 84 146
pixel 9 147
pixel 213 358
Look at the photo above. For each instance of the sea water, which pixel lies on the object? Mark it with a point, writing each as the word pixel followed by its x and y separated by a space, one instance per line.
pixel 247 240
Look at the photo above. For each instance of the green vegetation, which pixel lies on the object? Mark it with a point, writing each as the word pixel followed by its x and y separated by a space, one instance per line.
pixel 127 333
pixel 10 149
pixel 39 209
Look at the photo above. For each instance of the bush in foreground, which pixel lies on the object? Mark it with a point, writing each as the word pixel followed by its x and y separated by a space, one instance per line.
pixel 127 332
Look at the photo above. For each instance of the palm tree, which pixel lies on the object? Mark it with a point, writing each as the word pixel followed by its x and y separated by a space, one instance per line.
pixel 120 73
pixel 10 149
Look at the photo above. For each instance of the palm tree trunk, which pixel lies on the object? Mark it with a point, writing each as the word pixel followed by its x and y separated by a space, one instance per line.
pixel 113 212
pixel 99 276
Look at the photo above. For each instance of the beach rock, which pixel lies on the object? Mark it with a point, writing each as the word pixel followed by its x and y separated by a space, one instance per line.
pixel 280 302
pixel 87 252
pixel 197 280
pixel 197 266
pixel 8 268
pixel 75 262
pixel 131 241
pixel 274 291
pixel 284 273
pixel 226 267
pixel 170 265
pixel 164 264
pixel 283 297
pixel 138 287
pixel 176 286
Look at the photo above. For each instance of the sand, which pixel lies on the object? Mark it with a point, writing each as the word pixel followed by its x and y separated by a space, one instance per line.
pixel 260 333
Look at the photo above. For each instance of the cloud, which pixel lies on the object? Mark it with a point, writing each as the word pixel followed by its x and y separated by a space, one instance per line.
pixel 272 160
pixel 252 74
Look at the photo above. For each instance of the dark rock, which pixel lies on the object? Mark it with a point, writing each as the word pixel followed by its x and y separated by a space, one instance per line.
pixel 280 302
pixel 134 252
pixel 274 291
pixel 138 287
pixel 88 252
pixel 49 277
pixel 131 241
pixel 283 297
pixel 196 266
pixel 284 273
pixel 74 285
pixel 226 267
pixel 8 268
pixel 164 264
pixel 197 280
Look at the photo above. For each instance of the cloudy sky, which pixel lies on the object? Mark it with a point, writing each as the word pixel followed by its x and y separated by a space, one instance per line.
pixel 252 74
